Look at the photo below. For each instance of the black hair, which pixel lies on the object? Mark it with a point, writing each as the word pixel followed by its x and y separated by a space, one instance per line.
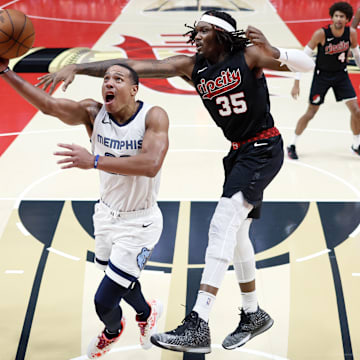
pixel 344 7
pixel 133 74
pixel 232 40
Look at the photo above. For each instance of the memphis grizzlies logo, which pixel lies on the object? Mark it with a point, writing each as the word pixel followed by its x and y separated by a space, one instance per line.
pixel 143 257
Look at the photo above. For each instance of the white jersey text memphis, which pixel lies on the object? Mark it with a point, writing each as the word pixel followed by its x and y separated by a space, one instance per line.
pixel 123 192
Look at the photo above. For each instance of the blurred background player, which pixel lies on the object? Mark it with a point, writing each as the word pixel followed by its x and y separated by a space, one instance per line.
pixel 228 76
pixel 129 142
pixel 333 43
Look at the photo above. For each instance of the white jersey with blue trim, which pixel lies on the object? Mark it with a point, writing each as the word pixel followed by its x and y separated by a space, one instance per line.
pixel 123 192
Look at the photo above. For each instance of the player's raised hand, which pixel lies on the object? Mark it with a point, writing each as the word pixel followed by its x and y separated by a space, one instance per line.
pixel 4 63
pixel 66 74
pixel 75 156
pixel 258 38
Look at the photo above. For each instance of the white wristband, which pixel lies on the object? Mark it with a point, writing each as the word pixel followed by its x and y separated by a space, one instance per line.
pixel 298 76
pixel 283 55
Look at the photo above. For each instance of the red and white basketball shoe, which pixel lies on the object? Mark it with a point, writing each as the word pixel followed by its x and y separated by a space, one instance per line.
pixel 100 345
pixel 148 327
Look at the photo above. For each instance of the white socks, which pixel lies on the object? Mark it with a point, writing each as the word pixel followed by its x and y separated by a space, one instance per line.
pixel 205 301
pixel 249 301
pixel 356 141
pixel 203 305
pixel 294 140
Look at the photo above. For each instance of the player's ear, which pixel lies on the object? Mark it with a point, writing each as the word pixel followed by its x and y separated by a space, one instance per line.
pixel 134 89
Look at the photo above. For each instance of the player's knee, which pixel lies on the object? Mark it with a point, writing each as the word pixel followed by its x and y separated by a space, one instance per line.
pixel 225 223
pixel 101 310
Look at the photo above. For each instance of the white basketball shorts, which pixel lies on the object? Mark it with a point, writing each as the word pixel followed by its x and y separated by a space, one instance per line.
pixel 124 241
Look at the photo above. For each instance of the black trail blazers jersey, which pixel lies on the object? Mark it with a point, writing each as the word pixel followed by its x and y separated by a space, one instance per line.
pixel 333 55
pixel 237 101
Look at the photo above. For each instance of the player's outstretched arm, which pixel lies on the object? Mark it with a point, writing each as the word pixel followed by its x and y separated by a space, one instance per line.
pixel 354 46
pixel 180 65
pixel 68 111
pixel 356 19
pixel 264 55
pixel 147 163
pixel 295 91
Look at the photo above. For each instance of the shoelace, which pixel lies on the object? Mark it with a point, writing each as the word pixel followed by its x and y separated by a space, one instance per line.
pixel 185 324
pixel 104 342
pixel 244 319
pixel 142 326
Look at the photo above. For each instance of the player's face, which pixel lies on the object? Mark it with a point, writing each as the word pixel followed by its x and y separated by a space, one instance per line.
pixel 339 20
pixel 118 88
pixel 205 40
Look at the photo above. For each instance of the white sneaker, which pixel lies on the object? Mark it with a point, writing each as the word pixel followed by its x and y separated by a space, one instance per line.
pixel 100 344
pixel 148 327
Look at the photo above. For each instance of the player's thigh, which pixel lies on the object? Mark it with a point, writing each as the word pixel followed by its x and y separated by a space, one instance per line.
pixel 320 85
pixel 134 242
pixel 343 88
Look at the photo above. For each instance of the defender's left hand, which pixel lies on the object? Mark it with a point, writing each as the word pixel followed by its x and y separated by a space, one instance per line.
pixel 258 38
pixel 76 156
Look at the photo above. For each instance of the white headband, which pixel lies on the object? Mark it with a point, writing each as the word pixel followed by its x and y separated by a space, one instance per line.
pixel 218 22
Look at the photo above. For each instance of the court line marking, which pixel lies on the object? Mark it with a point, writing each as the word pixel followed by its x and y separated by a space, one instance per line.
pixel 22 228
pixel 216 346
pixel 322 252
pixel 175 126
pixel 355 274
pixel 9 3
pixel 70 20
pixel 18 272
pixel 36 132
pixel 356 232
pixel 266 199
pixel 328 173
pixel 61 253
pixel 28 188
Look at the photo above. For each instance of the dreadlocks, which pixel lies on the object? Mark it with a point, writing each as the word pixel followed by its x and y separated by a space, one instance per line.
pixel 232 40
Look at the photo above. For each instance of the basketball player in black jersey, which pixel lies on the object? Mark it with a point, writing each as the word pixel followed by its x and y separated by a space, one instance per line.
pixel 333 43
pixel 228 76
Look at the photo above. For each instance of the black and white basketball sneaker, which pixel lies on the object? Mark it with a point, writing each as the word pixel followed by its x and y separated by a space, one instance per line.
pixel 291 151
pixel 251 324
pixel 356 151
pixel 192 336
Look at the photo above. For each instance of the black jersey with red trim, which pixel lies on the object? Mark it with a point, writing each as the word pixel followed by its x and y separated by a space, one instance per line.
pixel 332 56
pixel 237 101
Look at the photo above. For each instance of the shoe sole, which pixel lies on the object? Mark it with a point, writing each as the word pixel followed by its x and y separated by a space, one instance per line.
pixel 199 350
pixel 266 326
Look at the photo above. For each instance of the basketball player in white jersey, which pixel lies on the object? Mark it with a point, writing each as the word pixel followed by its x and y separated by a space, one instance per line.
pixel 129 143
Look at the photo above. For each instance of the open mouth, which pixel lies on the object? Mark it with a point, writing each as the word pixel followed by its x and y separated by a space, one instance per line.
pixel 109 98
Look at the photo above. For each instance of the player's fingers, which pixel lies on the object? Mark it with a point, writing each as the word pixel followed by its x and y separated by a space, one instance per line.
pixel 68 166
pixel 53 86
pixel 65 161
pixel 63 153
pixel 66 146
pixel 67 82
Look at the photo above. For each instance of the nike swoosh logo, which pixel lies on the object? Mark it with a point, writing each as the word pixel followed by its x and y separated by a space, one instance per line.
pixel 203 69
pixel 329 39
pixel 146 225
pixel 105 122
pixel 259 144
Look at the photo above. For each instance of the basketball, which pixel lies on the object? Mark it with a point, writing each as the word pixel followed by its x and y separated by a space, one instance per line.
pixel 17 33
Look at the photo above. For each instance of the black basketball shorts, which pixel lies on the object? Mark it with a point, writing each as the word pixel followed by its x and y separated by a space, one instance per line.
pixel 251 168
pixel 322 81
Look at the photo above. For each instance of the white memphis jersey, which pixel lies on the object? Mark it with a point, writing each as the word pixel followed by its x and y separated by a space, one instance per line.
pixel 123 192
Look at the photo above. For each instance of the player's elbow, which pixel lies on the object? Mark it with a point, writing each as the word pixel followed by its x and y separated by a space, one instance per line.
pixel 48 107
pixel 153 167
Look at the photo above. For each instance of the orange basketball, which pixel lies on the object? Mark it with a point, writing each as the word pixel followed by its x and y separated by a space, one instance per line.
pixel 17 33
